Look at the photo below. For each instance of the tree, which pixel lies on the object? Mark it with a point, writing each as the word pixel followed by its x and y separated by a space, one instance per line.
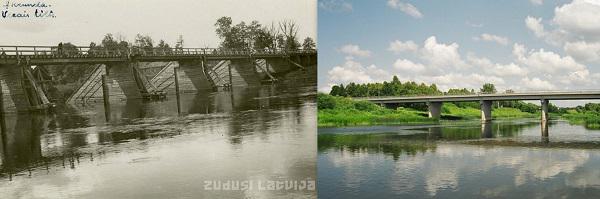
pixel 144 42
pixel 164 47
pixel 263 39
pixel 289 30
pixel 309 44
pixel 232 37
pixel 488 88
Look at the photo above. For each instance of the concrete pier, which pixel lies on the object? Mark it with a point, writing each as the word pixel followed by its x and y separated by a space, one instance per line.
pixel 544 104
pixel 486 110
pixel 194 76
pixel 435 109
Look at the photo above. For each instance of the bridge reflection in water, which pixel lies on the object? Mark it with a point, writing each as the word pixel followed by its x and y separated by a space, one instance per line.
pixel 499 159
pixel 75 133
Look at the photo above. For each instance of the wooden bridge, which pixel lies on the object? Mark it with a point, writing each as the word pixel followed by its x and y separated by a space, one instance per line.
pixel 118 72
pixel 54 55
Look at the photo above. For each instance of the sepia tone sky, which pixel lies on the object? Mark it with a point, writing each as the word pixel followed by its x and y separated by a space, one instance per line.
pixel 82 22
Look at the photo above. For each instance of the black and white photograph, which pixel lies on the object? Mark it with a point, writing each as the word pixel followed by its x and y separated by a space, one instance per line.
pixel 158 99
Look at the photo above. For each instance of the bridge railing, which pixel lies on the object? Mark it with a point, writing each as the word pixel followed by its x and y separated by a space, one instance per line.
pixel 86 51
pixel 525 92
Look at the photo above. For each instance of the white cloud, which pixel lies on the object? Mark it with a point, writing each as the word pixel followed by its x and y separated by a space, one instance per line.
pixel 536 84
pixel 336 5
pixel 504 70
pixel 441 55
pixel 407 8
pixel 582 51
pixel 537 2
pixel 353 71
pixel 459 80
pixel 535 25
pixel 574 26
pixel 408 66
pixel 399 46
pixel 546 61
pixel 493 38
pixel 354 50
pixel 580 17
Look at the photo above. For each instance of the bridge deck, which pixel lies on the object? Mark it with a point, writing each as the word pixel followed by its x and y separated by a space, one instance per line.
pixel 560 95
pixel 55 55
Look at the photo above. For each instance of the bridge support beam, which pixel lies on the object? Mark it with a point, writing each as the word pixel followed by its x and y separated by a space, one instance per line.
pixel 19 90
pixel 121 78
pixel 486 110
pixel 486 130
pixel 194 76
pixel 544 104
pixel 244 73
pixel 435 109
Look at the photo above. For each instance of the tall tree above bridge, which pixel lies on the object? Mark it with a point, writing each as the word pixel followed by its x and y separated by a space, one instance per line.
pixel 144 41
pixel 308 44
pixel 488 88
pixel 290 32
pixel 256 36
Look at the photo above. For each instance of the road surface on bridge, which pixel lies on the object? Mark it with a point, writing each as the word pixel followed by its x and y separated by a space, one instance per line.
pixel 538 95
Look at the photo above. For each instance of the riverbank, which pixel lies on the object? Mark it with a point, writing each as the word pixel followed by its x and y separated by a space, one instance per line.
pixel 589 119
pixel 341 111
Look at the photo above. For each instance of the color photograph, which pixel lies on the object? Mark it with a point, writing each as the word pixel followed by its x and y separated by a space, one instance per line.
pixel 458 99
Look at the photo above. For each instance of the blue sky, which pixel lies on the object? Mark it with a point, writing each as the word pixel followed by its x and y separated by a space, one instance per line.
pixel 521 45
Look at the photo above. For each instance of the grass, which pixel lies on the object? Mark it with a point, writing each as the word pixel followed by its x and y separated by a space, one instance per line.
pixel 589 119
pixel 474 113
pixel 340 111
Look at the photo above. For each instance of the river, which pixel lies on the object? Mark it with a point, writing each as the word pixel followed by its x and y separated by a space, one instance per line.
pixel 502 159
pixel 151 150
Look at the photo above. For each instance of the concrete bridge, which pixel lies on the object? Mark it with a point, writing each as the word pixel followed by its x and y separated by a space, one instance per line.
pixel 434 103
pixel 24 70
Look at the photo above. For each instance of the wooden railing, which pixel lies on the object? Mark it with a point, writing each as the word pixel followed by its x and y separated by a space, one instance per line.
pixel 79 51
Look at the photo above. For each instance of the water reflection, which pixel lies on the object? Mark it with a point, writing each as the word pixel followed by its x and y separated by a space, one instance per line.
pixel 263 133
pixel 502 159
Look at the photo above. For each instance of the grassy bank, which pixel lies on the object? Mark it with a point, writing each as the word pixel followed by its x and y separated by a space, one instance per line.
pixel 451 109
pixel 590 119
pixel 341 111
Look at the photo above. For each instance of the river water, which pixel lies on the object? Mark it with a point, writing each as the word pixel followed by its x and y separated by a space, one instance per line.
pixel 502 159
pixel 260 136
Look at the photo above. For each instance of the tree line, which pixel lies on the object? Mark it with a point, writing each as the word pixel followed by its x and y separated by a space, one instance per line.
pixel 254 35
pixel 257 36
pixel 411 88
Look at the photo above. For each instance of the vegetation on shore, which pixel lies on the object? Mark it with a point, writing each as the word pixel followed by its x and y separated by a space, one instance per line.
pixel 587 115
pixel 337 109
pixel 343 111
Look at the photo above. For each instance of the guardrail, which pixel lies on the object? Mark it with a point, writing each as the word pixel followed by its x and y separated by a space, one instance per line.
pixel 519 93
pixel 138 51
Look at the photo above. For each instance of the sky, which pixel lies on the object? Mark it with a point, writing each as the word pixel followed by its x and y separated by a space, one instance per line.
pixel 82 22
pixel 522 45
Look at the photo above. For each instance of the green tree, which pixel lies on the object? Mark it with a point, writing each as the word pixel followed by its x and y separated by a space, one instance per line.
pixel 488 88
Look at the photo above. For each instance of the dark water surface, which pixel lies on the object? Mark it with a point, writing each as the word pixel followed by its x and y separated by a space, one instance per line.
pixel 504 159
pixel 149 150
